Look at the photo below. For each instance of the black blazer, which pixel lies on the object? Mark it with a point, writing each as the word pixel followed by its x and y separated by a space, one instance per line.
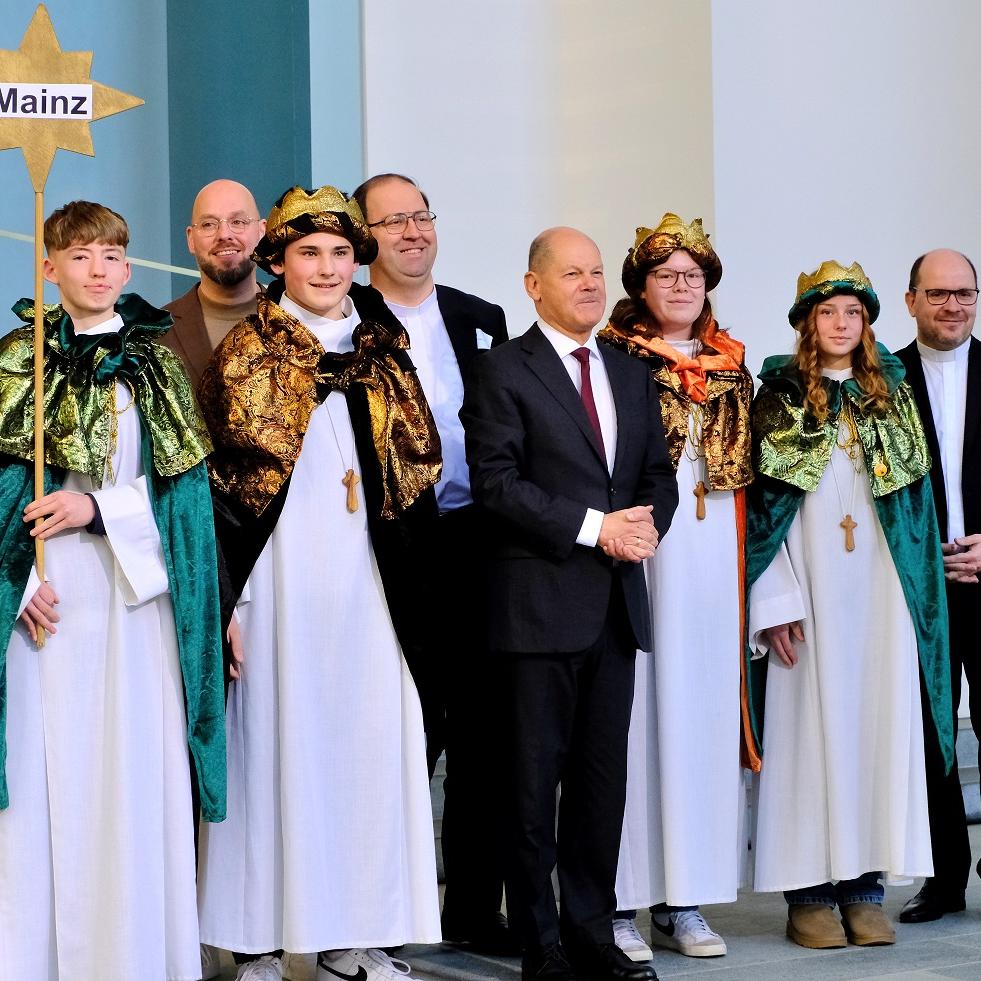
pixel 464 314
pixel 971 460
pixel 536 466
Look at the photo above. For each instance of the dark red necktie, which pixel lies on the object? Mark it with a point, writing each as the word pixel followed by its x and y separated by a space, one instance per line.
pixel 586 392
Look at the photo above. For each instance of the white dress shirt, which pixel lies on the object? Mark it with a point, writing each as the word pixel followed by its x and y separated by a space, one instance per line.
pixel 439 373
pixel 946 380
pixel 605 409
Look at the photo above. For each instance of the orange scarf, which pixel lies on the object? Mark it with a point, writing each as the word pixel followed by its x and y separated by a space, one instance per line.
pixel 691 372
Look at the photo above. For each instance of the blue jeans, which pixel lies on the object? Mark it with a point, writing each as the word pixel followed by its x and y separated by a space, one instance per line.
pixel 865 889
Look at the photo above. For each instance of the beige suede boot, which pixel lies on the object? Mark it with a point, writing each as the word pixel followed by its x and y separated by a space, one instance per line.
pixel 814 925
pixel 866 924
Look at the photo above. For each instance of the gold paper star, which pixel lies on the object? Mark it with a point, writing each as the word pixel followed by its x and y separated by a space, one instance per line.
pixel 39 59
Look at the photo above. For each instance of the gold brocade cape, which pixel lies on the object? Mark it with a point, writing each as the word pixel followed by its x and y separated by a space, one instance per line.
pixel 269 374
pixel 796 449
pixel 725 404
pixel 79 391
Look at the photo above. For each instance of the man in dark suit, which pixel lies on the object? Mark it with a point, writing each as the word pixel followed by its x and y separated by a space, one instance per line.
pixel 447 330
pixel 567 455
pixel 225 227
pixel 943 367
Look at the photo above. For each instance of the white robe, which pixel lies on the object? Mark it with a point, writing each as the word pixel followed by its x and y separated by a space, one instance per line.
pixel 680 841
pixel 97 846
pixel 329 837
pixel 842 791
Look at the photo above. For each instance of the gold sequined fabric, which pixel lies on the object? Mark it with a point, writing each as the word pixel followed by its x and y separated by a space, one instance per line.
pixel 726 435
pixel 795 448
pixel 78 408
pixel 269 374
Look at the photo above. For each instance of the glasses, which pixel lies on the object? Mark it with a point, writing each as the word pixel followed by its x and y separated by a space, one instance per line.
pixel 395 224
pixel 965 297
pixel 210 226
pixel 666 278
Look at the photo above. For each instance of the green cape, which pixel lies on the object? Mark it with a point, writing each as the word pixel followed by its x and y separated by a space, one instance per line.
pixel 894 449
pixel 181 503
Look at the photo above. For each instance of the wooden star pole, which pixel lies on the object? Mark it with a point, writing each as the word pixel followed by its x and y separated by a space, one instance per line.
pixel 47 100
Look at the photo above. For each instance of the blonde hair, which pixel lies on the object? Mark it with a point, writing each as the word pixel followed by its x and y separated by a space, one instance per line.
pixel 866 369
pixel 84 222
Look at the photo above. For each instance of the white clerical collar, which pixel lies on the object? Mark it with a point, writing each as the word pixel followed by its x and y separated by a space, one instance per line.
pixel 114 323
pixel 421 309
pixel 959 353
pixel 564 344
pixel 842 374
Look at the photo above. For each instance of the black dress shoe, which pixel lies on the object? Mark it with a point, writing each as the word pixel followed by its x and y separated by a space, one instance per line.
pixel 487 934
pixel 546 964
pixel 930 903
pixel 607 962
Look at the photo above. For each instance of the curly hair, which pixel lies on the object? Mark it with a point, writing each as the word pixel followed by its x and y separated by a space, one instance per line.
pixel 866 369
pixel 632 315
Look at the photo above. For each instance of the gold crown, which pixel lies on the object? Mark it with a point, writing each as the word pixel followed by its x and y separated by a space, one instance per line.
pixel 297 202
pixel 689 237
pixel 829 279
pixel 654 245
pixel 831 271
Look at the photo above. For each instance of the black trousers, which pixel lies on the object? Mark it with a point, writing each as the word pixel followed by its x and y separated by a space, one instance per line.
pixel 470 729
pixel 570 717
pixel 948 826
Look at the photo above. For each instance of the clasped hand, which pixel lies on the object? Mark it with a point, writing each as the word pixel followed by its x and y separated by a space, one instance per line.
pixel 962 559
pixel 629 535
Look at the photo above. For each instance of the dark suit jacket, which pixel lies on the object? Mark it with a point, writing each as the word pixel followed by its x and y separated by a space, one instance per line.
pixel 465 314
pixel 971 460
pixel 536 466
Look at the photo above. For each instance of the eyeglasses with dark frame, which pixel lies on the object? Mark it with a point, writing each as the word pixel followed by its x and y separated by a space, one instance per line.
pixel 965 297
pixel 210 226
pixel 666 278
pixel 395 224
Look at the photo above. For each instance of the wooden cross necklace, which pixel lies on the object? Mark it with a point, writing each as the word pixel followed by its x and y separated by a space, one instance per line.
pixel 850 447
pixel 350 480
pixel 695 441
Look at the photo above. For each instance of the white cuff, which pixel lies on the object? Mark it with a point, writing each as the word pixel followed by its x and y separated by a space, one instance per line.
pixel 134 540
pixel 590 530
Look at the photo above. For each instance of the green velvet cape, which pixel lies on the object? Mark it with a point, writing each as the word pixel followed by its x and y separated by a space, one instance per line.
pixel 181 504
pixel 894 449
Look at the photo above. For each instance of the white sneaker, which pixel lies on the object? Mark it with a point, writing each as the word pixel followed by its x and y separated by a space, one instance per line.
pixel 266 968
pixel 210 962
pixel 361 965
pixel 627 937
pixel 300 967
pixel 687 932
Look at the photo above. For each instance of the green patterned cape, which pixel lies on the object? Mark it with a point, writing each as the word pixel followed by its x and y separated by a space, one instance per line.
pixel 80 375
pixel 792 450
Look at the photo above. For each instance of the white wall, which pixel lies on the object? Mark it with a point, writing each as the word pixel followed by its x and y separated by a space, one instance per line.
pixel 846 130
pixel 516 116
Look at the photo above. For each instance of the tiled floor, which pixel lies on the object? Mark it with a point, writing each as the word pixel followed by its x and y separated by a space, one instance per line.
pixel 759 951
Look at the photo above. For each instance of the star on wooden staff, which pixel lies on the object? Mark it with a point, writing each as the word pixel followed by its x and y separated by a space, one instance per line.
pixel 47 100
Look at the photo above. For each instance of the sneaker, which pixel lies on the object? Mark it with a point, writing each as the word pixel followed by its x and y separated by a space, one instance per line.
pixel 686 931
pixel 210 962
pixel 371 964
pixel 627 937
pixel 265 968
pixel 300 967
